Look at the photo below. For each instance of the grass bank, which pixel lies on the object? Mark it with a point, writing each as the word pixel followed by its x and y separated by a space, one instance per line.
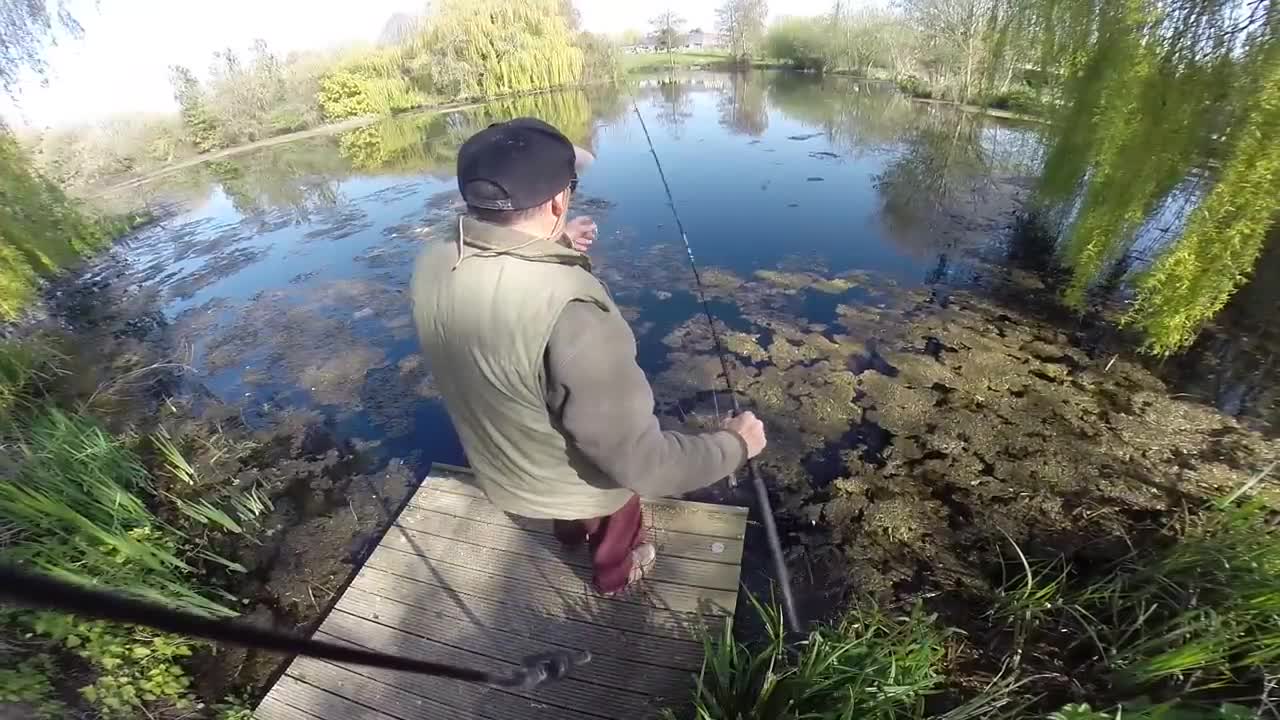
pixel 684 60
pixel 1181 626
pixel 42 230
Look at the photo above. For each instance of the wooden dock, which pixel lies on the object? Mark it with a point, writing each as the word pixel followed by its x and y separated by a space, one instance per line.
pixel 455 580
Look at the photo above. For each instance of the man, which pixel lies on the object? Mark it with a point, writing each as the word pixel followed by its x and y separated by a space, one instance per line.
pixel 537 367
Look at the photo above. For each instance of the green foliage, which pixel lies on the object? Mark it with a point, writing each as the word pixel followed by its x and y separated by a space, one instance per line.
pixel 1223 238
pixel 41 230
pixel 487 48
pixel 132 666
pixel 1153 95
pixel 378 84
pixel 25 368
pixel 1167 711
pixel 868 665
pixel 805 43
pixel 201 127
pixel 75 506
pixel 1196 612
pixel 27 683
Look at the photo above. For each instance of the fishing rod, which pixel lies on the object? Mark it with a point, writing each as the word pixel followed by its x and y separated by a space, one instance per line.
pixel 761 490
pixel 42 591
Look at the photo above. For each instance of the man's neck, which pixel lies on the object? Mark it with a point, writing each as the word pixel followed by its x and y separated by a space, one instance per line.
pixel 539 227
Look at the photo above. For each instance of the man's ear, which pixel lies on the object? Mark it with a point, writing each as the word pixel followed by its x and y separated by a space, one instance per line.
pixel 560 204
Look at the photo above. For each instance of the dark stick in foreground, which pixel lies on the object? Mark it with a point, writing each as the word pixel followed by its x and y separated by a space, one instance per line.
pixel 762 491
pixel 45 592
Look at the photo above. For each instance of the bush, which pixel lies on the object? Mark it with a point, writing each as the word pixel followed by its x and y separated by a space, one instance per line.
pixel 1018 99
pixel 804 42
pixel 915 87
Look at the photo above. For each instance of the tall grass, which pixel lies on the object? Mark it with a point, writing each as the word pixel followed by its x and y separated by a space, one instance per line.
pixel 74 505
pixel 1196 613
pixel 870 665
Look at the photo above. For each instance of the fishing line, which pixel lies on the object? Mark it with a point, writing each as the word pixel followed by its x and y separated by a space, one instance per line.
pixel 42 591
pixel 761 490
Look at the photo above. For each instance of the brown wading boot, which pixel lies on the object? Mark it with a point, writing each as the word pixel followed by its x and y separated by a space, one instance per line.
pixel 643 558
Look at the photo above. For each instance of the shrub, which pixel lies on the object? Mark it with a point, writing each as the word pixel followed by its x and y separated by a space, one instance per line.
pixel 914 86
pixel 803 42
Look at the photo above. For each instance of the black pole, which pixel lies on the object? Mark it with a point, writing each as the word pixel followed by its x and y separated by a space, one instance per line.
pixel 37 590
pixel 761 490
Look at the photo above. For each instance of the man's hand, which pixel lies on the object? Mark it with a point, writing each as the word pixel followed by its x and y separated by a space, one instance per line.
pixel 750 429
pixel 581 233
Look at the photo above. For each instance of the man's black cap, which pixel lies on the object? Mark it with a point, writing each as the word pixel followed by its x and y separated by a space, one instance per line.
pixel 518 164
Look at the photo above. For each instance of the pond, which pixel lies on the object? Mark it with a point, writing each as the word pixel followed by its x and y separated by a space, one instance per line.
pixel 923 393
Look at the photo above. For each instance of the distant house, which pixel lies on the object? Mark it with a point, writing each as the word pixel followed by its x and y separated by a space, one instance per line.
pixel 699 40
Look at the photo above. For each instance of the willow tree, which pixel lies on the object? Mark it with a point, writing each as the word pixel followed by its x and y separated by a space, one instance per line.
pixel 1166 135
pixel 486 48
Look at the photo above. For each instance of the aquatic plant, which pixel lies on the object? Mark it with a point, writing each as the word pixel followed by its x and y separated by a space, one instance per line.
pixel 75 504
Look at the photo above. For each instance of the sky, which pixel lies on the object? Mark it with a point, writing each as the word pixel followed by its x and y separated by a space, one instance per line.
pixel 121 63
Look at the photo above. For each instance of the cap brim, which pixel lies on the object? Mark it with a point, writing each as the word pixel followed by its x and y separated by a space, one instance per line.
pixel 582 159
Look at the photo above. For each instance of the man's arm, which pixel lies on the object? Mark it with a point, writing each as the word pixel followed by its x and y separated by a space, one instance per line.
pixel 604 403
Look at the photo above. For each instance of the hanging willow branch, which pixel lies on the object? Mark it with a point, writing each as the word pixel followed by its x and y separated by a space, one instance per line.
pixel 1152 93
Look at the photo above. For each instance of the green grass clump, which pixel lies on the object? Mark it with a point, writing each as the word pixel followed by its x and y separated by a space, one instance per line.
pixel 871 664
pixel 75 505
pixel 1194 614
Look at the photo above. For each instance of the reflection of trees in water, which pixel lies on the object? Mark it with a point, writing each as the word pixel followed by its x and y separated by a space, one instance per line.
pixel 298 178
pixel 857 117
pixel 302 177
pixel 675 105
pixel 940 169
pixel 743 108
pixel 942 180
pixel 428 142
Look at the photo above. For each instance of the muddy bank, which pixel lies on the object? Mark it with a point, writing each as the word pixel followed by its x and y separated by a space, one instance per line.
pixel 325 495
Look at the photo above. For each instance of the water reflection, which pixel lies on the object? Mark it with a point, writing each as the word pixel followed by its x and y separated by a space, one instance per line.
pixel 744 108
pixel 927 162
pixel 675 106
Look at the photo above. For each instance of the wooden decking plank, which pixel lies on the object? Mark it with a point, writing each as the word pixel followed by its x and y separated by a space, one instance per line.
pixel 456 580
pixel 466 699
pixel 570 693
pixel 716 576
pixel 273 708
pixel 516 616
pixel 666 514
pixel 554 574
pixel 387 579
pixel 671 543
pixel 610 665
pixel 360 687
pixel 321 703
